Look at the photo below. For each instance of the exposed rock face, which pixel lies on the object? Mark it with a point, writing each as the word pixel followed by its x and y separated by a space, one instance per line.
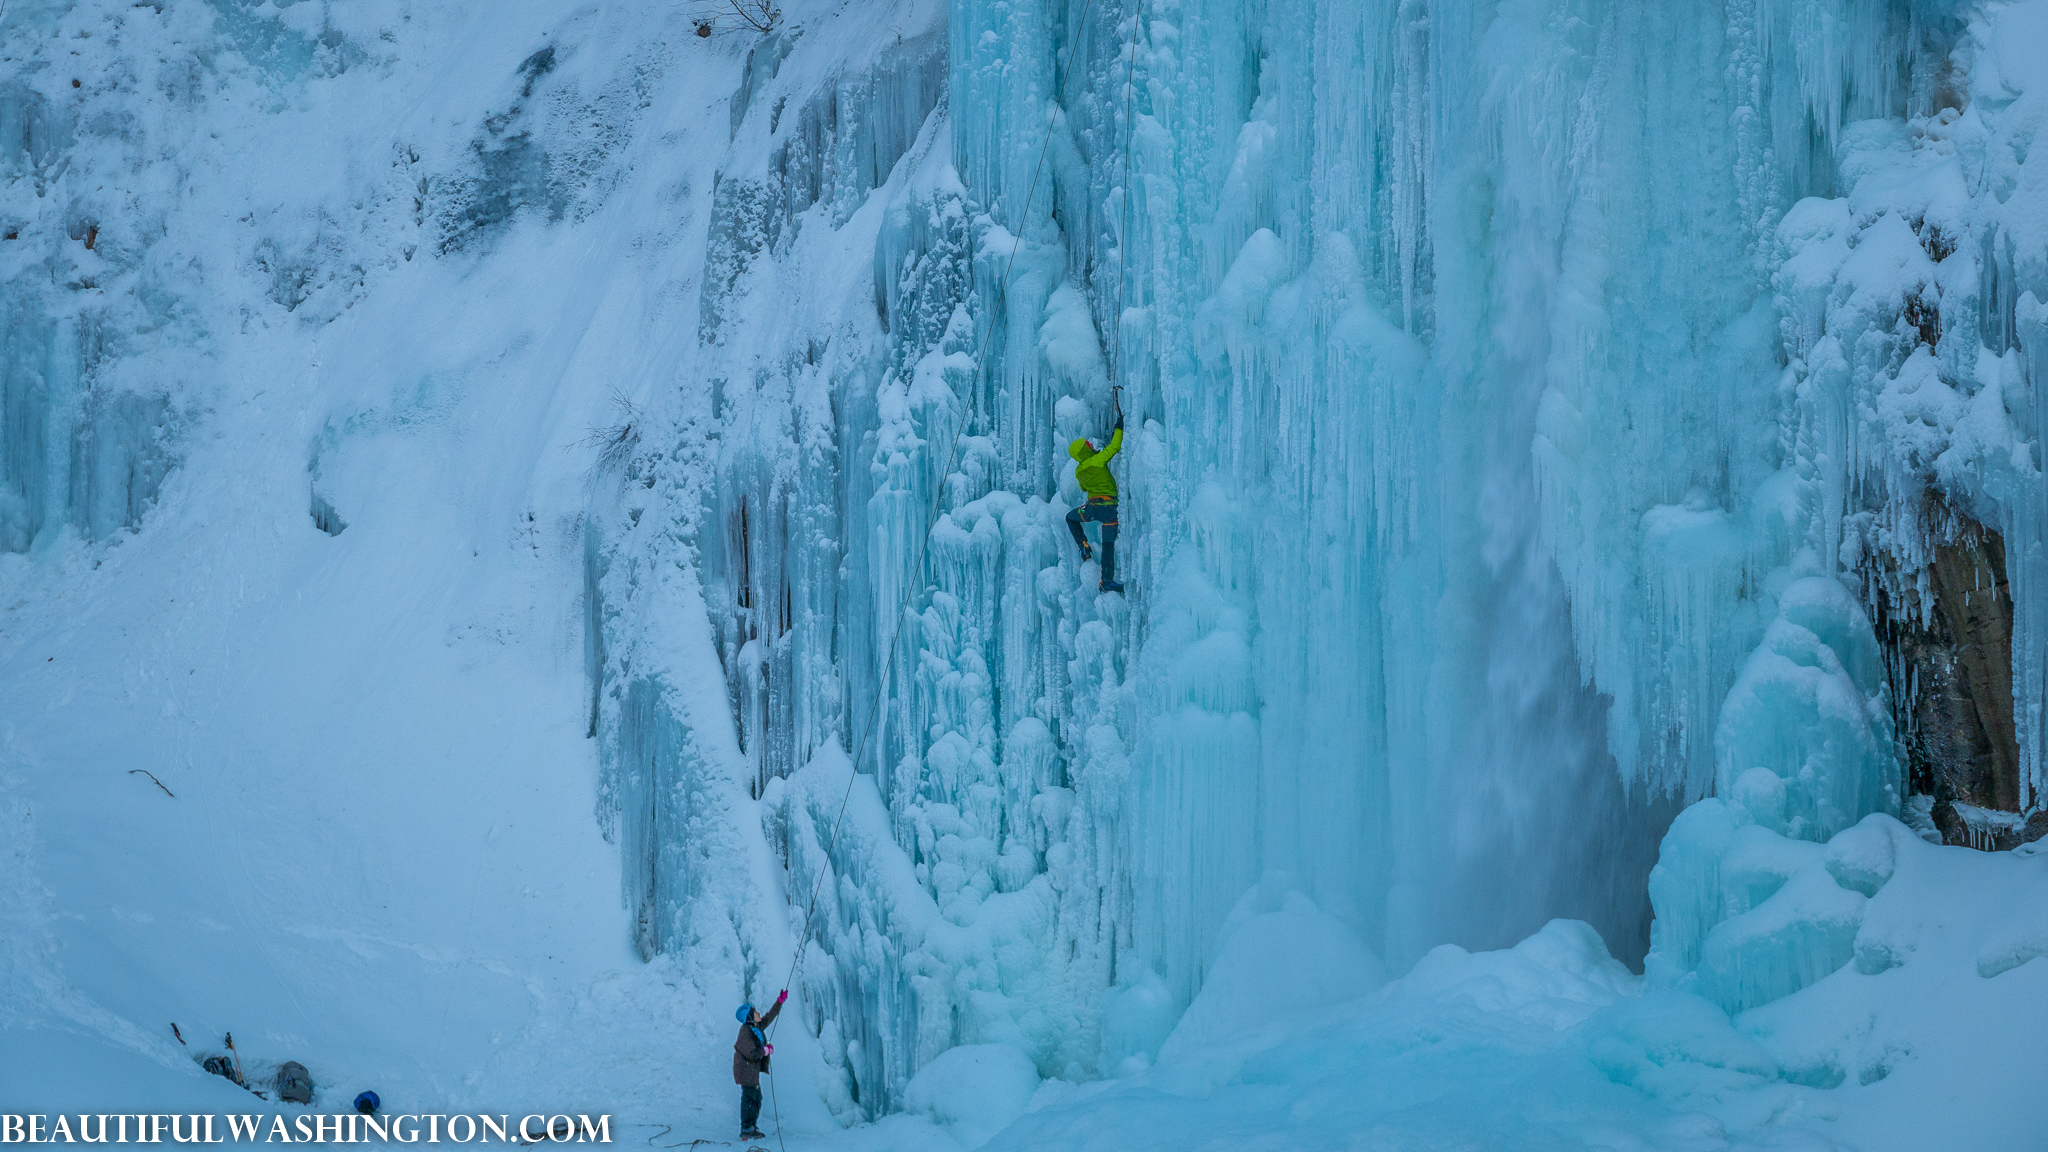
pixel 1951 668
pixel 1979 763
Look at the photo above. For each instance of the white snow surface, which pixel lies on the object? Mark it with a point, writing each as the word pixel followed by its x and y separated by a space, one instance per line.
pixel 462 468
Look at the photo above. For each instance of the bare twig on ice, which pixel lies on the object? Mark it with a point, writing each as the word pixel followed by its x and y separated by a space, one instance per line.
pixel 152 776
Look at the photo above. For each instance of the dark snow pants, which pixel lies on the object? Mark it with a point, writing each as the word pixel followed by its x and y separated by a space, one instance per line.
pixel 750 1107
pixel 1102 512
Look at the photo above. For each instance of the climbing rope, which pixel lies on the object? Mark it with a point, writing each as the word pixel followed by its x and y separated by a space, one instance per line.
pixel 1123 236
pixel 952 453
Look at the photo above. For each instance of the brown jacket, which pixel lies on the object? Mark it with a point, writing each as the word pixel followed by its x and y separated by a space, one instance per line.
pixel 748 1060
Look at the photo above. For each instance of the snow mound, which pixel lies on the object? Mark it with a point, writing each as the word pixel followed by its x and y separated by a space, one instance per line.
pixel 974 1091
pixel 1272 969
pixel 1558 976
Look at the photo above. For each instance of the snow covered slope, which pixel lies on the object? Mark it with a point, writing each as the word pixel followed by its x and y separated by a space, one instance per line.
pixel 334 325
pixel 481 464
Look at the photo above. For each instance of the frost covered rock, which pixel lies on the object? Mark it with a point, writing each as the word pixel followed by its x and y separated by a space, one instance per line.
pixel 1862 858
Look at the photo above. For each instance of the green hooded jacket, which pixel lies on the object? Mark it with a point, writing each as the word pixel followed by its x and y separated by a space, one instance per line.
pixel 1093 470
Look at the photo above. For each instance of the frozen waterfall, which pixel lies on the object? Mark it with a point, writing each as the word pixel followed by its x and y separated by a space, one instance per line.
pixel 1499 466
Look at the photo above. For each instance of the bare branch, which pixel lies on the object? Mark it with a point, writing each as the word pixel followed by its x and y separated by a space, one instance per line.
pixel 159 783
pixel 759 17
pixel 615 444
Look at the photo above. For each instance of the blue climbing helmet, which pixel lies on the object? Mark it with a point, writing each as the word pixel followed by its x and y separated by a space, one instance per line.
pixel 367 1103
pixel 745 1011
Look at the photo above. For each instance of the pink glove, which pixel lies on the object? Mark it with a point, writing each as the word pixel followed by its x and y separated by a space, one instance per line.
pixel 782 995
pixel 768 1048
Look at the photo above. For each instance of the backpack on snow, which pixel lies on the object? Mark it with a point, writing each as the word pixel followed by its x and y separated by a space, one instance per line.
pixel 221 1066
pixel 294 1083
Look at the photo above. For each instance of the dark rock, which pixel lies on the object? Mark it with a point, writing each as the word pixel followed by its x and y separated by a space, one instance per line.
pixel 2035 828
pixel 1951 680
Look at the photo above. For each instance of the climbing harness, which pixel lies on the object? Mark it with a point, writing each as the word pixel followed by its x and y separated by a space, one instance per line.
pixel 953 449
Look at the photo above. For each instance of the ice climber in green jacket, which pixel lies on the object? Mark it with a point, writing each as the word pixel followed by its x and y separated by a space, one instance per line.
pixel 1092 470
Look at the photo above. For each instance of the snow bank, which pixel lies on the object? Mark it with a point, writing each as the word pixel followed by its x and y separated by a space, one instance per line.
pixel 975 1090
pixel 1272 967
pixel 1554 1044
pixel 1856 959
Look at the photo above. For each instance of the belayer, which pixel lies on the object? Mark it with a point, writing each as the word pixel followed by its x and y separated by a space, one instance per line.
pixel 750 1055
pixel 1092 472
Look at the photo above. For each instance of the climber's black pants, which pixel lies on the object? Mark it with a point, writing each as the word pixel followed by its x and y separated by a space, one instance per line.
pixel 1103 512
pixel 750 1107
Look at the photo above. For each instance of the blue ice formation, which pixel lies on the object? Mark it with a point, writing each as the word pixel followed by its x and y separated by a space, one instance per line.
pixel 1523 400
